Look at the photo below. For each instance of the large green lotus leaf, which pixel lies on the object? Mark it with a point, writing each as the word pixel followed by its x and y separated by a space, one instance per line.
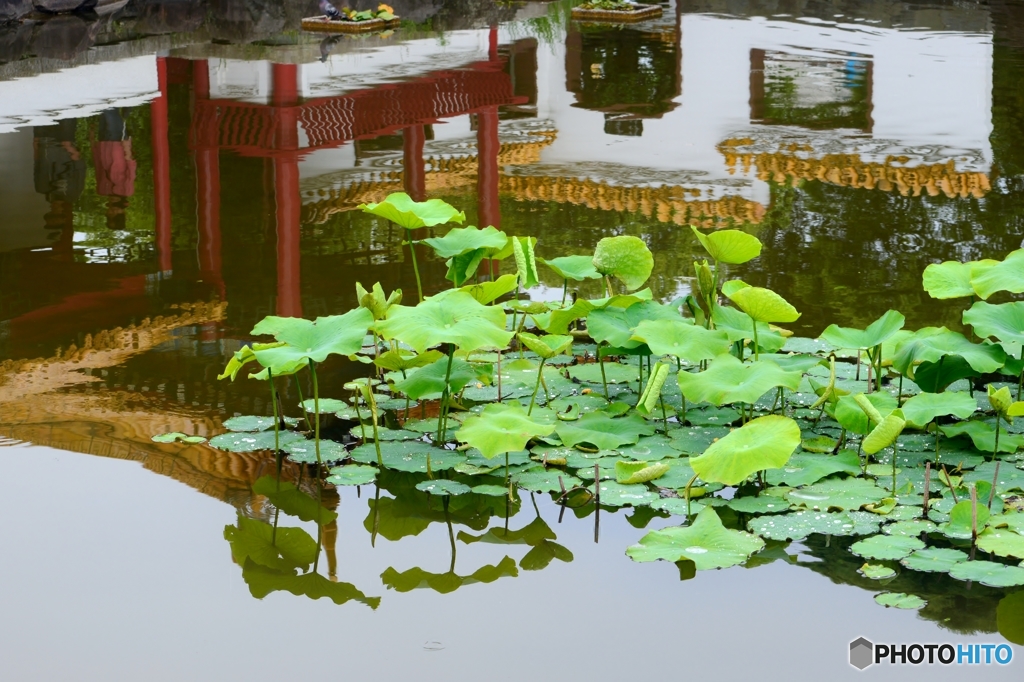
pixel 252 442
pixel 875 334
pixel 1001 542
pixel 603 431
pixel 254 423
pixel 629 473
pixel 577 268
pixel 1013 520
pixel 304 340
pixel 626 258
pixel 800 524
pixel 460 240
pixel 886 547
pixel 764 305
pixel 399 208
pixel 442 486
pixel 255 540
pixel 502 428
pixel 707 543
pixel 1007 275
pixel 796 362
pixel 262 581
pixel 988 573
pixel 614 373
pixel 936 377
pixel 729 246
pixel 884 434
pixel 304 451
pixel 453 317
pixel 1010 617
pixel 487 292
pixel 428 382
pixel 934 559
pixel 763 443
pixel 960 520
pixel 983 435
pixel 911 527
pixel 352 474
pixel 761 504
pixel 923 408
pixel 404 360
pixel 681 338
pixel 444 583
pixel 805 468
pixel 851 416
pixel 615 494
pixel 838 493
pixel 547 346
pixel 728 380
pixel 900 600
pixel 526 261
pixel 615 326
pixel 545 480
pixel 1010 478
pixel 409 456
pixel 558 321
pixel 931 343
pixel 952 279
pixel 738 327
pixel 290 500
pixel 1004 322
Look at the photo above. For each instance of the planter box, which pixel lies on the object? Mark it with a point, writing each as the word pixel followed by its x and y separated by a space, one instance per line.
pixel 322 24
pixel 639 13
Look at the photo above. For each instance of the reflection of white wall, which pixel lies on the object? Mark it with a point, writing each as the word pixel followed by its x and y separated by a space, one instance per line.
pixel 77 92
pixel 21 224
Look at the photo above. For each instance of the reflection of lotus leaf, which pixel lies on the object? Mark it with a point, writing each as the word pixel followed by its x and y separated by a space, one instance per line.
pixel 289 499
pixel 532 534
pixel 262 581
pixel 1010 617
pixel 707 543
pixel 1004 322
pixel 445 583
pixel 255 541
pixel 543 554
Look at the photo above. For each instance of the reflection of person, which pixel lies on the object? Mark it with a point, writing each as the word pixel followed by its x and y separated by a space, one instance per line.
pixel 59 175
pixel 112 157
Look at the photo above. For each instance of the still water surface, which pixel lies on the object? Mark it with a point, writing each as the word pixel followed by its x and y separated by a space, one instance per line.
pixel 158 200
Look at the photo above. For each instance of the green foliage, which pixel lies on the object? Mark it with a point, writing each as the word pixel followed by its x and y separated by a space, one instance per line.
pixel 764 443
pixel 502 428
pixel 874 334
pixel 729 246
pixel 728 380
pixel 576 268
pixel 400 209
pixel 625 258
pixel 707 543
pixel 453 317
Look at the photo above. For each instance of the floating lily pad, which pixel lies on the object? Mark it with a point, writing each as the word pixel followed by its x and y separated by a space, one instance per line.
pixel 676 505
pixel 615 494
pixel 327 406
pixel 254 423
pixel 798 525
pixel 252 442
pixel 911 528
pixel 806 468
pixel 545 480
pixel 1002 542
pixel 385 434
pixel 713 416
pixel 304 451
pixel 876 571
pixel 900 600
pixel 988 573
pixel 934 559
pixel 845 494
pixel 178 436
pixel 707 543
pixel 696 440
pixel 758 505
pixel 650 449
pixel 353 474
pixel 614 373
pixel 886 547
pixel 408 455
pixel 441 486
pixel 490 490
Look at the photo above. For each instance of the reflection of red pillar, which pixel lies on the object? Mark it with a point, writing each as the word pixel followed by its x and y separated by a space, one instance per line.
pixel 207 181
pixel 285 96
pixel 161 168
pixel 412 162
pixel 487 148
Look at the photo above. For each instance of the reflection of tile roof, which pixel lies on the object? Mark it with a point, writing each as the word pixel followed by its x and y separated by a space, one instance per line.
pixel 666 204
pixel 847 170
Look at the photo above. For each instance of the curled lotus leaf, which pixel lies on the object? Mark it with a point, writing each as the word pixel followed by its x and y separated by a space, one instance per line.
pixel 576 268
pixel 526 261
pixel 625 258
pixel 988 573
pixel 399 208
pixel 638 472
pixel 501 428
pixel 460 240
pixel 488 292
pixel 729 246
pixel 874 334
pixel 452 317
pixel 852 416
pixel 885 434
pixel 932 343
pixel 763 443
pixel 728 380
pixel 651 396
pixel 707 543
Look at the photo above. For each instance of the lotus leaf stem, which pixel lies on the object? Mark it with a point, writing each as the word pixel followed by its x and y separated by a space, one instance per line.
pixel 536 387
pixel 316 408
pixel 949 483
pixel 416 269
pixel 277 426
pixel 442 416
pixel 604 379
pixel 995 479
pixel 689 485
pixel 757 355
pixel 974 514
pixel 305 413
pixel 927 487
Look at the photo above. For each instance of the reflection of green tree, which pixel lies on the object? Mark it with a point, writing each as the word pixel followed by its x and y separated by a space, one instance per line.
pixel 782 105
pixel 637 72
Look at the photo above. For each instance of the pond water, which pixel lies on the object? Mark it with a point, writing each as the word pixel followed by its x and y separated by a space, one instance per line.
pixel 161 191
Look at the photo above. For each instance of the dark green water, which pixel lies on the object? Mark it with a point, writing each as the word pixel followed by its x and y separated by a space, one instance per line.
pixel 193 187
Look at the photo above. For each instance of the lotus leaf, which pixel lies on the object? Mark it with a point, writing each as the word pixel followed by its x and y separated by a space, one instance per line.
pixel 729 246
pixel 304 340
pixel 804 469
pixel 952 279
pixel 615 326
pixel 762 504
pixel 304 451
pixel 615 494
pixel 728 380
pixel 526 261
pixel 983 435
pixel 175 436
pixel 502 428
pixel 886 547
pixel 254 423
pixel 453 317
pixel 651 395
pixel 558 321
pixel 603 431
pixel 327 406
pixel 487 292
pixel 707 543
pixel 798 525
pixel 547 346
pixel 429 381
pixel 1007 275
pixel 577 268
pixel 399 208
pixel 1004 322
pixel 408 455
pixel 545 480
pixel 900 600
pixel 489 489
pixel 763 305
pixel 289 499
pixel 461 240
pixel 1001 542
pixel 694 441
pixel 255 541
pixel 626 258
pixel 934 559
pixel 638 472
pixel 923 408
pixel 844 494
pixel 680 338
pixel 403 360
pixel 252 442
pixel 763 443
pixel 738 326
pixel 442 486
pixel 852 417
pixel 874 335
pixel 1010 478
pixel 988 573
pixel 876 572
pixel 352 474
pixel 885 434
pixel 932 343
pixel 650 449
pixel 713 416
